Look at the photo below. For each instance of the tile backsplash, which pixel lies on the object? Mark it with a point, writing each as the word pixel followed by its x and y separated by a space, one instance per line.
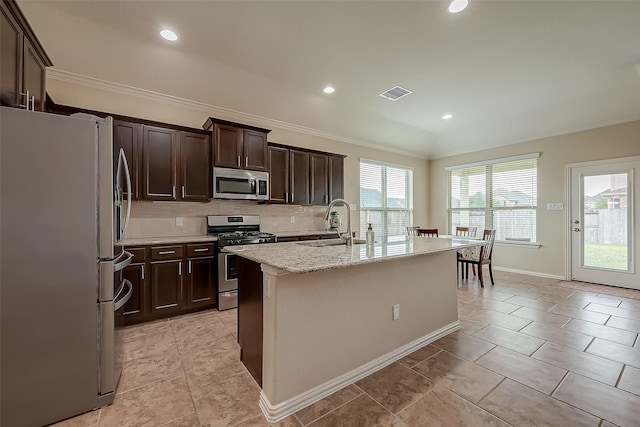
pixel 158 219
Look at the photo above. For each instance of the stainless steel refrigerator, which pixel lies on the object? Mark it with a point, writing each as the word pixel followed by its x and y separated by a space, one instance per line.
pixel 62 218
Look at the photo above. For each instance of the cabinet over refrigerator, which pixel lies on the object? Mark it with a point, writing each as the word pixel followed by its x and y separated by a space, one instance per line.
pixel 62 219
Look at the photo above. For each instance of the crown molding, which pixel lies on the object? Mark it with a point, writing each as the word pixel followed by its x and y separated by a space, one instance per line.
pixel 210 110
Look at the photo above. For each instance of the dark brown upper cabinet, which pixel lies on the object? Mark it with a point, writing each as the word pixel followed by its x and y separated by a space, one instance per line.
pixel 318 179
pixel 127 136
pixel 24 61
pixel 336 177
pixel 278 175
pixel 159 163
pixel 195 169
pixel 304 177
pixel 299 177
pixel 238 146
pixel 175 165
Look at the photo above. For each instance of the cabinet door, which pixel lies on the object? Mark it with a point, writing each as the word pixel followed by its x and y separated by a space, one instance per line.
pixel 278 175
pixel 166 286
pixel 136 309
pixel 255 150
pixel 336 177
pixel 201 285
pixel 33 76
pixel 319 179
pixel 227 146
pixel 195 167
pixel 11 54
pixel 159 164
pixel 126 136
pixel 299 177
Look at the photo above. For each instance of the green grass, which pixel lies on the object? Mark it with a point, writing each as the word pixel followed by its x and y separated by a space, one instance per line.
pixel 605 256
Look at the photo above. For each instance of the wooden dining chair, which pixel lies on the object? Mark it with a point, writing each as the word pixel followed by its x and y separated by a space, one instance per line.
pixel 427 232
pixel 413 230
pixel 466 231
pixel 479 258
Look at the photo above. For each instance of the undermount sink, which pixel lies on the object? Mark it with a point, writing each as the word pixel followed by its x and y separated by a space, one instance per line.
pixel 332 242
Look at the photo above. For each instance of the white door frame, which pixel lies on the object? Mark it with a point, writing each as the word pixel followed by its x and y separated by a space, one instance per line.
pixel 568 201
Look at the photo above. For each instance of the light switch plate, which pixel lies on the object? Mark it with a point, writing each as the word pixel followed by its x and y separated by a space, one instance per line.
pixel 179 221
pixel 555 206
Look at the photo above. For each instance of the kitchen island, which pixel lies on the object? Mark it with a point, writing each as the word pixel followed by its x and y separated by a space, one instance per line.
pixel 314 317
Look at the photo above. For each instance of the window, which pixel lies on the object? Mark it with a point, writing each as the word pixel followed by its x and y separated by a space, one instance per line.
pixel 385 198
pixel 500 194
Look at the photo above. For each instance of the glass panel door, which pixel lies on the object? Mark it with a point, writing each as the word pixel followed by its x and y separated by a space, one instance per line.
pixel 604 245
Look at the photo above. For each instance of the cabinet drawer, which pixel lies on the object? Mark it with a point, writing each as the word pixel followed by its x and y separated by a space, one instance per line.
pixel 200 249
pixel 138 254
pixel 166 252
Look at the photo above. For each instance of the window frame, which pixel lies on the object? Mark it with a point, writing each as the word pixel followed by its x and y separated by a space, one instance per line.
pixel 489 210
pixel 384 209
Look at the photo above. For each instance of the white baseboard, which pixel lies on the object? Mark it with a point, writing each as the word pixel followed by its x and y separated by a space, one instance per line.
pixel 276 413
pixel 530 273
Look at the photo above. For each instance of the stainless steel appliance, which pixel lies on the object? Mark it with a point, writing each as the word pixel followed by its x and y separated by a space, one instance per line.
pixel 62 219
pixel 233 230
pixel 240 184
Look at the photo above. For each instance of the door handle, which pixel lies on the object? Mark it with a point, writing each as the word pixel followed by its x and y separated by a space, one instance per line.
pixel 576 229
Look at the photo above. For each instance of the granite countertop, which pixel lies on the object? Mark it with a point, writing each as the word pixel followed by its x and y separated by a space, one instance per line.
pixel 303 233
pixel 170 239
pixel 303 257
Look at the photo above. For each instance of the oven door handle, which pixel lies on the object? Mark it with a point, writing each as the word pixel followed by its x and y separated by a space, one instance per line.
pixel 120 303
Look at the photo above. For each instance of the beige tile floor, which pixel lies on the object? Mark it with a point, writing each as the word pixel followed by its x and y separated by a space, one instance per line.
pixel 530 352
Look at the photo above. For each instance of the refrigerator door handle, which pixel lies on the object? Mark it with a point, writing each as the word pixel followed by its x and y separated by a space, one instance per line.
pixel 120 303
pixel 122 160
pixel 119 265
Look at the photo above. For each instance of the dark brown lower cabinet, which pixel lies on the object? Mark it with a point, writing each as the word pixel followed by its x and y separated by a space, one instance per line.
pixel 166 285
pixel 201 285
pixel 250 316
pixel 170 280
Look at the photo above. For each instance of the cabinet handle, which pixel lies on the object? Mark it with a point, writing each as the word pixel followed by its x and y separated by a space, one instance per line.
pixel 286 197
pixel 166 252
pixel 246 162
pixel 201 250
pixel 173 191
pixel 180 268
pixel 183 191
pixel 189 266
pixel 28 98
pixel 33 103
pixel 238 161
pixel 142 273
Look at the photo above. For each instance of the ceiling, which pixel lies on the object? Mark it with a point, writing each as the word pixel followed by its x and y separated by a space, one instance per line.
pixel 507 71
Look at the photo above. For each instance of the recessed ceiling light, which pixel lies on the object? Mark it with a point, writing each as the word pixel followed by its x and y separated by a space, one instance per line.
pixel 458 5
pixel 447 116
pixel 169 35
pixel 329 89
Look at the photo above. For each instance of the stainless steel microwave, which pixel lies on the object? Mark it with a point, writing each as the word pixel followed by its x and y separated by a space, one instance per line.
pixel 240 184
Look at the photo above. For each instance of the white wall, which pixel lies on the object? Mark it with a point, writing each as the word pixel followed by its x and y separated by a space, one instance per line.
pixel 608 142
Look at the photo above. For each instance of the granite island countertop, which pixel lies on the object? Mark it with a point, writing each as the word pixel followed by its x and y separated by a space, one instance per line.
pixel 307 257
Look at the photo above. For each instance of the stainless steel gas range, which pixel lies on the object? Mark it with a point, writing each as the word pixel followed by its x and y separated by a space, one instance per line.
pixel 233 230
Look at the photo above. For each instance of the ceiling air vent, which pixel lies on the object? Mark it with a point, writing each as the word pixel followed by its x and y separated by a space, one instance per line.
pixel 395 93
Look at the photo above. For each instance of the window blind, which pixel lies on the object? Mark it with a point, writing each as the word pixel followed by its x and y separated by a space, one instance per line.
pixel 500 195
pixel 385 198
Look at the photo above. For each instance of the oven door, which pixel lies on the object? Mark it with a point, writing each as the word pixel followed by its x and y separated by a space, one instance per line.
pixel 227 272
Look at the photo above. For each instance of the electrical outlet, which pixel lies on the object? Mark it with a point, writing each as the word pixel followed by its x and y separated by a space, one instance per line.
pixel 555 206
pixel 395 312
pixel 293 219
pixel 352 206
pixel 179 221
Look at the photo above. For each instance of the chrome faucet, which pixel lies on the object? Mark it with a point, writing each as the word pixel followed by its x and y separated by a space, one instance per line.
pixel 348 237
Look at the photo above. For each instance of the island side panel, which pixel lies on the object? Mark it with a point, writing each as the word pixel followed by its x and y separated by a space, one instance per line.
pixel 250 316
pixel 320 325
